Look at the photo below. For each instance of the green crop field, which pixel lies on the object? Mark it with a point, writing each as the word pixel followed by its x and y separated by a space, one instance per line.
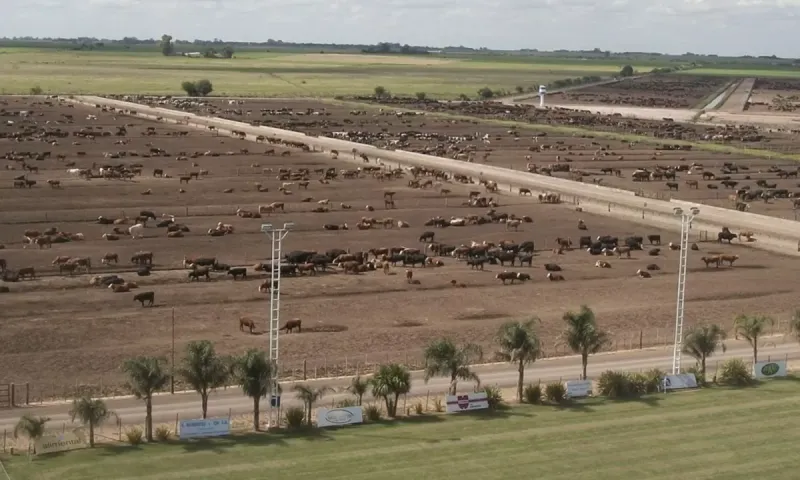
pixel 261 73
pixel 716 433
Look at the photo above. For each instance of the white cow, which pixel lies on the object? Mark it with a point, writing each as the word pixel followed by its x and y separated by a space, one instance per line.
pixel 136 231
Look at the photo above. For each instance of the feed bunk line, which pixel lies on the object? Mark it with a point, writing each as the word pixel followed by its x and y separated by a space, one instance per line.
pixel 276 236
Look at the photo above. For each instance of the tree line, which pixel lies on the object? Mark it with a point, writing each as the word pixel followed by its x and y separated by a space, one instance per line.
pixel 517 343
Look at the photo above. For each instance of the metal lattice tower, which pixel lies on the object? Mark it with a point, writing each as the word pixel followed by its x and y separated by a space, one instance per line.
pixel 276 236
pixel 686 225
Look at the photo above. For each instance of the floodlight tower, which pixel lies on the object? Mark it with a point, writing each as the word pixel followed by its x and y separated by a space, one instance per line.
pixel 276 235
pixel 686 224
pixel 542 93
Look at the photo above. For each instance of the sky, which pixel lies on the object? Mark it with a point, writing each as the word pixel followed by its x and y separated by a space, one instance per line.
pixel 723 27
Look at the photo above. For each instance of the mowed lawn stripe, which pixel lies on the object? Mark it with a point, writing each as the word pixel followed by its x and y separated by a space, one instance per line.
pixel 720 433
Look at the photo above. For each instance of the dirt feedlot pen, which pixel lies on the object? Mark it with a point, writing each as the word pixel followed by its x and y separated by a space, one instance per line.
pixel 61 331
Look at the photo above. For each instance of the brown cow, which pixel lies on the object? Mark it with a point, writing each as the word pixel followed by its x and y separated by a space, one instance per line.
pixel 108 257
pixel 728 258
pixel 246 322
pixel 709 260
pixel 409 275
pixel 351 266
pixel 292 324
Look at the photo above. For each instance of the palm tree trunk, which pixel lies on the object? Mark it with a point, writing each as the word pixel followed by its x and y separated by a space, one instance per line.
pixel 256 413
pixel 394 405
pixel 204 403
pixel 703 366
pixel 308 414
pixel 520 381
pixel 360 397
pixel 585 363
pixel 148 420
pixel 755 350
pixel 91 435
pixel 453 384
pixel 388 405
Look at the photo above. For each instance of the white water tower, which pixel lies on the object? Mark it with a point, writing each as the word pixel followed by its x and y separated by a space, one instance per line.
pixel 542 93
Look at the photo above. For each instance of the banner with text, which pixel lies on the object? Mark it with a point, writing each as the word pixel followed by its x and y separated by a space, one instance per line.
pixel 335 417
pixel 578 388
pixel 467 402
pixel 680 381
pixel 60 442
pixel 770 369
pixel 209 427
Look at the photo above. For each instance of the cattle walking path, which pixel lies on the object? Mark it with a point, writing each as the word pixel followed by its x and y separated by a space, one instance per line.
pixel 231 401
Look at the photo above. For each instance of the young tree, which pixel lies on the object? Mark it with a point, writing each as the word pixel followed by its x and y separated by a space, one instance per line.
pixel 380 92
pixel 227 51
pixel 190 88
pixel 146 376
pixel 32 428
pixel 702 342
pixel 421 95
pixel 582 335
pixel 751 328
pixel 166 45
pixel 485 93
pixel 91 412
pixel 388 383
pixel 519 344
pixel 627 71
pixel 203 370
pixel 253 372
pixel 794 324
pixel 358 387
pixel 444 359
pixel 310 395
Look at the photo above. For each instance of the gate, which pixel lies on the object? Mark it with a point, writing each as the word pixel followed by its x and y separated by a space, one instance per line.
pixel 5 395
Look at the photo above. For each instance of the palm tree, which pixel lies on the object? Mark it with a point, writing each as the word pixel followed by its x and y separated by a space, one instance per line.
pixel 92 412
pixel 583 336
pixel 794 324
pixel 751 327
pixel 519 343
pixel 443 359
pixel 358 387
pixel 31 427
pixel 310 395
pixel 702 342
pixel 203 370
pixel 389 382
pixel 253 372
pixel 146 376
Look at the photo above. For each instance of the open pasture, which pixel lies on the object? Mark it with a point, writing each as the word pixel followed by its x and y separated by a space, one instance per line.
pixel 578 157
pixel 59 330
pixel 661 91
pixel 777 96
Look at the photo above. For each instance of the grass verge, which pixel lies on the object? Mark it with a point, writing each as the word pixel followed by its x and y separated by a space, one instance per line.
pixel 713 433
pixel 563 130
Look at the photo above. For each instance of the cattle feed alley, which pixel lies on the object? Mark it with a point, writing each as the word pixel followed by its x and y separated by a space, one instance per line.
pixel 771 234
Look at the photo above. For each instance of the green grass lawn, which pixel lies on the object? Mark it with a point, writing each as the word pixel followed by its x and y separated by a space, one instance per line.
pixel 716 433
pixel 259 73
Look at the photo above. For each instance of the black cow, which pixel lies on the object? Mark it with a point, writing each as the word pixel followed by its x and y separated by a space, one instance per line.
pixel 526 258
pixel 238 272
pixel 143 271
pixel 654 239
pixel 427 236
pixel 142 297
pixel 635 243
pixel 299 256
pixel 476 262
pixel 414 259
pixel 290 269
pixel 504 257
pixel 523 276
pixel 199 272
pixel 585 242
pixel 527 247
pixel 552 267
pixel 147 214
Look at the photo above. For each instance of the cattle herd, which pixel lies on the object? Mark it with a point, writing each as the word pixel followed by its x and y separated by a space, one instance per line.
pixel 170 216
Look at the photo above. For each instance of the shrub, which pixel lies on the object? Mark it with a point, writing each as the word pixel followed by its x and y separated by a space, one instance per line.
pixel 655 378
pixel 463 97
pixel 613 384
pixel 373 413
pixel 494 396
pixel 438 406
pixel 419 408
pixel 295 417
pixel 135 436
pixel 204 87
pixel 701 379
pixel 380 92
pixel 163 433
pixel 190 88
pixel 532 394
pixel 485 93
pixel 736 373
pixel 36 90
pixel 347 402
pixel 637 384
pixel 555 392
pixel 421 95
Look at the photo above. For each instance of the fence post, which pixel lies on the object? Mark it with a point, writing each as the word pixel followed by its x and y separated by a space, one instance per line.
pixel 177 415
pixel 13 402
pixel 27 394
pixel 305 369
pixel 641 339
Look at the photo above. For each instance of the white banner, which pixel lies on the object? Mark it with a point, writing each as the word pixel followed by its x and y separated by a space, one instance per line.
pixel 680 381
pixel 578 388
pixel 770 369
pixel 209 427
pixel 60 442
pixel 466 402
pixel 335 417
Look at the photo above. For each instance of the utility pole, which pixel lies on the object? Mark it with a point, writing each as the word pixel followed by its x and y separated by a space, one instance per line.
pixel 172 369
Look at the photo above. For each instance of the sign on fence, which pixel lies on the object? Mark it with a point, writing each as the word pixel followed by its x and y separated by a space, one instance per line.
pixel 578 388
pixel 680 381
pixel 60 442
pixel 466 402
pixel 209 427
pixel 770 369
pixel 336 417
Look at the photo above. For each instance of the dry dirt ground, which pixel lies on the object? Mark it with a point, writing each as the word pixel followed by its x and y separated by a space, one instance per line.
pixel 665 91
pixel 57 331
pixel 777 96
pixel 429 134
